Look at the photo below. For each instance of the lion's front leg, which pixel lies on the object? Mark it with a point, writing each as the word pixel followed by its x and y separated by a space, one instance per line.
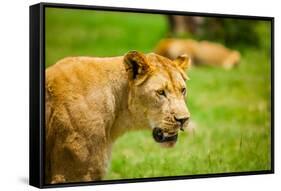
pixel 58 178
pixel 80 159
pixel 98 161
pixel 77 163
pixel 69 160
pixel 80 147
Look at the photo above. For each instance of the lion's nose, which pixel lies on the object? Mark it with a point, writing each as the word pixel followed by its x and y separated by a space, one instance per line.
pixel 181 120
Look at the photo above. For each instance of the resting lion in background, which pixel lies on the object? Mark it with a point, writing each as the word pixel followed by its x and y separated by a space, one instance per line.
pixel 201 52
pixel 90 102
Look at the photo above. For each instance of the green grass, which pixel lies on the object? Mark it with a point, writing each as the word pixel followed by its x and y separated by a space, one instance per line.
pixel 231 109
pixel 71 32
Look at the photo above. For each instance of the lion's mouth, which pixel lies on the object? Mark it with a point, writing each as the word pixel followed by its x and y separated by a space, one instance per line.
pixel 160 137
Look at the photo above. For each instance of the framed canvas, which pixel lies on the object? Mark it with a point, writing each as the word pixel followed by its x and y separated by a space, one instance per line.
pixel 121 95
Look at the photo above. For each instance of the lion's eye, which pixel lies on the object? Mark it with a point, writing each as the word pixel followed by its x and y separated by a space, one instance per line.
pixel 183 91
pixel 161 92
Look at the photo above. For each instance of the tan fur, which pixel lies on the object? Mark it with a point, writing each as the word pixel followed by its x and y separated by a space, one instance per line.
pixel 92 101
pixel 203 52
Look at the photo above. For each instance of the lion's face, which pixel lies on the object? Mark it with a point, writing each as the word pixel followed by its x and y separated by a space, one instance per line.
pixel 157 94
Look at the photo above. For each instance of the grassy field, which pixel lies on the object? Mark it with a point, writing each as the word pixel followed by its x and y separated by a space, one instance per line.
pixel 230 109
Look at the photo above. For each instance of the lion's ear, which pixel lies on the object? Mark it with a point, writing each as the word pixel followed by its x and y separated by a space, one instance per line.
pixel 136 66
pixel 183 61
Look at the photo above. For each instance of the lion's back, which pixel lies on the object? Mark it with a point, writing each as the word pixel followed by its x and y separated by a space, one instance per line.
pixel 78 90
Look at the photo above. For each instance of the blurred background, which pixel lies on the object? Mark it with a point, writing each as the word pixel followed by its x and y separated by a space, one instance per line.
pixel 230 109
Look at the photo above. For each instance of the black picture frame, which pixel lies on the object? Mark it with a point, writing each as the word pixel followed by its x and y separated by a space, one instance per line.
pixel 37 97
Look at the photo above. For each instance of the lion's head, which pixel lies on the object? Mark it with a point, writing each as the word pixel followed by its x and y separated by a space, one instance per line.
pixel 157 91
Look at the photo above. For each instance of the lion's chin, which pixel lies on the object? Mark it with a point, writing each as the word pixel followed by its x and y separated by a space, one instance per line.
pixel 164 139
pixel 169 144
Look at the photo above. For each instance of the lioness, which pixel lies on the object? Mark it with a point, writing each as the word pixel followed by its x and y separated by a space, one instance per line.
pixel 92 101
pixel 201 52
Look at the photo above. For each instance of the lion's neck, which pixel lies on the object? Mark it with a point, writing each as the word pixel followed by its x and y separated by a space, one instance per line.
pixel 124 120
